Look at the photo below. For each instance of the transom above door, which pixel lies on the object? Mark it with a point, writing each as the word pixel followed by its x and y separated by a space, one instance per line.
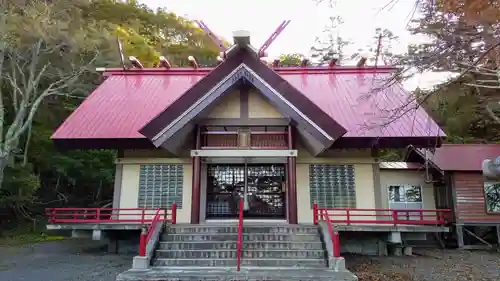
pixel 261 186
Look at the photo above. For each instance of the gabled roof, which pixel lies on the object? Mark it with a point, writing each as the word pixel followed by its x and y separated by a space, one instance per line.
pixel 243 65
pixel 128 100
pixel 459 157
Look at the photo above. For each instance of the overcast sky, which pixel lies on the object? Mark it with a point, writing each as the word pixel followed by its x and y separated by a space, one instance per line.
pixel 308 20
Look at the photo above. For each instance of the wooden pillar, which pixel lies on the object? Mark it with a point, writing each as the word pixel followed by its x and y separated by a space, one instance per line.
pixel 196 189
pixel 292 181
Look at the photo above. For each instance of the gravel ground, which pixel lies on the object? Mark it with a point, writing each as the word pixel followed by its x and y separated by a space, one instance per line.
pixel 83 260
pixel 429 265
pixel 68 260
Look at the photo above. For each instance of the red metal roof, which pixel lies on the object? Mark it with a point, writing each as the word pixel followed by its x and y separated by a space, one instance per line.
pixel 463 157
pixel 126 101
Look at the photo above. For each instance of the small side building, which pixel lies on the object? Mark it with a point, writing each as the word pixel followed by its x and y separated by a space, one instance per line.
pixel 456 170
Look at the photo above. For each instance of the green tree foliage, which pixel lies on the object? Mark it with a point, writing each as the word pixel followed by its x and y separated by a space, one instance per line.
pixel 461 42
pixel 47 45
pixel 331 44
pixel 291 59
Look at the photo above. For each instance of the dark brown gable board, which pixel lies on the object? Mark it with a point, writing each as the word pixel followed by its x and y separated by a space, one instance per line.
pixel 303 104
pixel 294 96
pixel 174 110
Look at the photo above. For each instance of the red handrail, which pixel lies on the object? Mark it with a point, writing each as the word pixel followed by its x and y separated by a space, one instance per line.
pixel 107 215
pixel 147 233
pixel 239 245
pixel 334 235
pixel 351 216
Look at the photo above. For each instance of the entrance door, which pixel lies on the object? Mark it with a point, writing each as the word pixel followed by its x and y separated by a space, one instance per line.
pixel 263 191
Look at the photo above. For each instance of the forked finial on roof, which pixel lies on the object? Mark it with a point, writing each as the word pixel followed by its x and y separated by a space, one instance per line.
pixel 164 63
pixel 193 62
pixel 273 36
pixel 135 62
pixel 209 32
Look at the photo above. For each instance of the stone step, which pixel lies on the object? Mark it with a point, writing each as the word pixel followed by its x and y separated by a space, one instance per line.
pixel 246 229
pixel 309 263
pixel 248 245
pixel 234 237
pixel 231 254
pixel 218 274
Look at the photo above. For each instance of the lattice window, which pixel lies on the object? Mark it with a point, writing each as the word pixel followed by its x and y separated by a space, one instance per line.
pixel 332 186
pixel 160 185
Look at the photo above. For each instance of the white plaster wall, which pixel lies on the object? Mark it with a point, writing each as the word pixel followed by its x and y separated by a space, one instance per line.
pixel 397 177
pixel 129 194
pixel 363 174
pixel 259 107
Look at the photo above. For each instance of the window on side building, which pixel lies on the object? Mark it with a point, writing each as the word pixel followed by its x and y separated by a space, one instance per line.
pixel 492 197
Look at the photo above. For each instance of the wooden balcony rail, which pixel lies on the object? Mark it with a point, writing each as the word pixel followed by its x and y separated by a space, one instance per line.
pixel 212 139
pixel 109 215
pixel 239 245
pixel 269 140
pixel 252 140
pixel 438 217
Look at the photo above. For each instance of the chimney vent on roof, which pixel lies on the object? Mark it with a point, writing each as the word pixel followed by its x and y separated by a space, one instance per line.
pixel 241 37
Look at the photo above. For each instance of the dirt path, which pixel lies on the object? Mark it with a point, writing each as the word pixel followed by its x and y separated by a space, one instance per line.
pixel 429 265
pixel 83 260
pixel 68 260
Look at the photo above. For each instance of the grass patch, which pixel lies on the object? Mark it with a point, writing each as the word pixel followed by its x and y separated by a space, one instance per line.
pixel 28 238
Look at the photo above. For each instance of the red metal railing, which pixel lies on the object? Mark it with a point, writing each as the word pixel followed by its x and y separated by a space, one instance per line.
pixel 383 216
pixel 239 243
pixel 256 140
pixel 146 235
pixel 334 235
pixel 109 215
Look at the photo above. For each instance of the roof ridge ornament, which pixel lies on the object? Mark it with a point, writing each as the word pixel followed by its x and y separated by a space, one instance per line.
pixel 273 37
pixel 135 62
pixel 193 62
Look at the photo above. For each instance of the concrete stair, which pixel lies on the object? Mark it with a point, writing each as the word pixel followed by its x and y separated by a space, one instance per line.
pixel 270 252
pixel 219 274
pixel 264 246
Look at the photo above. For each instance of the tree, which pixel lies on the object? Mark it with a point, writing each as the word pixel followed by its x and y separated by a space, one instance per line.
pixel 473 11
pixel 381 47
pixel 42 58
pixel 332 45
pixel 291 59
pixel 71 39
